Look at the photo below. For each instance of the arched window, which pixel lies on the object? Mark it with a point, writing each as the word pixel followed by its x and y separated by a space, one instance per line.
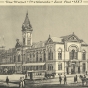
pixel 50 67
pixel 30 55
pixel 40 56
pixel 84 67
pixel 14 58
pixel 33 55
pixel 59 54
pixel 44 55
pixel 10 59
pixel 50 54
pixel 73 54
pixel 23 41
pixel 60 66
pixel 84 55
pixel 37 57
pixel 18 58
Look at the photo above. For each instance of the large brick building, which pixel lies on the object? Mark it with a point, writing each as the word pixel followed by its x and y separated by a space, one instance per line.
pixel 64 55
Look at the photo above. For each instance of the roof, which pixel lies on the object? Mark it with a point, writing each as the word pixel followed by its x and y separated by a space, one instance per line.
pixel 39 44
pixel 71 37
pixel 26 25
pixel 56 39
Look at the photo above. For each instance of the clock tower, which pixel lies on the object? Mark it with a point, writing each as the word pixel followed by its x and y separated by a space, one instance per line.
pixel 27 32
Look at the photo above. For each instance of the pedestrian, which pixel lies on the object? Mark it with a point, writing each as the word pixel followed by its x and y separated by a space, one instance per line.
pixel 20 83
pixel 23 82
pixel 76 79
pixel 85 76
pixel 25 76
pixel 65 79
pixel 60 79
pixel 7 80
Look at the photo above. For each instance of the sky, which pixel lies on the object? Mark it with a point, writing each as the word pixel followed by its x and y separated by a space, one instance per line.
pixel 54 20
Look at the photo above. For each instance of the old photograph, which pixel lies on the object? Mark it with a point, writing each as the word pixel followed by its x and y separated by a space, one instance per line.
pixel 43 46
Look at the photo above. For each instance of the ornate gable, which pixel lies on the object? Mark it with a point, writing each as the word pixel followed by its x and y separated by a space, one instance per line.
pixel 49 40
pixel 72 38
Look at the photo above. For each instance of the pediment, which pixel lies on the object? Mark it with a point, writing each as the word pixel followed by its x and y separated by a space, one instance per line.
pixel 49 41
pixel 73 38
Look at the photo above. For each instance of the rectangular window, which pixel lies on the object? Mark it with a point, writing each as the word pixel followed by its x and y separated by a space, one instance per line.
pixel 60 66
pixel 84 67
pixel 75 55
pixel 50 67
pixel 83 56
pixel 36 67
pixel 48 56
pixel 40 59
pixel 59 55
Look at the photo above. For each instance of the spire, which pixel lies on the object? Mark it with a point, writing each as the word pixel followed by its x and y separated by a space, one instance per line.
pixel 26 25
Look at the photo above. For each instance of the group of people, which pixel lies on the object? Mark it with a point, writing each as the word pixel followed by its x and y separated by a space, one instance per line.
pixel 75 79
pixel 65 79
pixel 21 82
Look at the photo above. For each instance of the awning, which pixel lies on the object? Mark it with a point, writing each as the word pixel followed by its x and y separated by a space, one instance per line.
pixel 33 64
pixel 37 71
pixel 7 65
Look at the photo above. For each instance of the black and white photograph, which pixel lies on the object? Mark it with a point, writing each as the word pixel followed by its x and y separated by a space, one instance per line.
pixel 44 46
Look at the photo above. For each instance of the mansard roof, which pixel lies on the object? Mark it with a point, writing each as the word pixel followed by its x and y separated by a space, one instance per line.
pixel 27 25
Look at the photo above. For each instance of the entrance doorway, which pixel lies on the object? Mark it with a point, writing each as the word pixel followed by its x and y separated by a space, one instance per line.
pixel 67 69
pixel 31 75
pixel 73 69
pixel 78 69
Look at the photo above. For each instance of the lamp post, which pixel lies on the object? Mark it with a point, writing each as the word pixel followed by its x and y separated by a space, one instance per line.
pixel 64 58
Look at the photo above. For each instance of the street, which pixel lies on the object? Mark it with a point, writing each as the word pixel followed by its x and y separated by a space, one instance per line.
pixel 52 83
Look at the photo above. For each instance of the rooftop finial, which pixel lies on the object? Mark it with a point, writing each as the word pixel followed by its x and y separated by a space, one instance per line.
pixel 17 40
pixel 27 13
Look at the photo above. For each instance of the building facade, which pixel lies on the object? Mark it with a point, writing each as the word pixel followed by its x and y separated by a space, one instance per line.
pixel 64 55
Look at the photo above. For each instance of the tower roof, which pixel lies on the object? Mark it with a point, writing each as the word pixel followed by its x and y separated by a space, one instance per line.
pixel 26 25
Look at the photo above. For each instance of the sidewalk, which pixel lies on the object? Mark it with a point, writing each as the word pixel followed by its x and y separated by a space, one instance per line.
pixel 11 85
